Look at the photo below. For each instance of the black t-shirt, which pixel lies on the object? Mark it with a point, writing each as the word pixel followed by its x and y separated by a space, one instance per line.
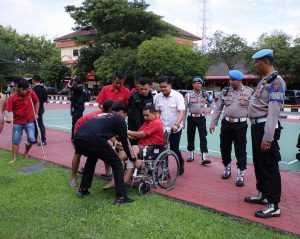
pixel 42 94
pixel 102 128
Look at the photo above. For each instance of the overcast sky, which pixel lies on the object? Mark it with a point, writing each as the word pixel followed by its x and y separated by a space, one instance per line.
pixel 247 18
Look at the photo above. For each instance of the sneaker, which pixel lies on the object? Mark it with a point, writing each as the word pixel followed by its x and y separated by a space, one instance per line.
pixel 123 199
pixel 191 157
pixel 204 159
pixel 227 172
pixel 80 171
pixel 240 178
pixel 269 211
pixel 42 143
pixel 259 199
pixel 82 193
pixel 73 184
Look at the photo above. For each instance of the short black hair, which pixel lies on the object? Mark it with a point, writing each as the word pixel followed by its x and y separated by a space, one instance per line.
pixel 144 81
pixel 151 108
pixel 166 79
pixel 118 106
pixel 36 77
pixel 120 74
pixel 23 83
pixel 269 58
pixel 107 105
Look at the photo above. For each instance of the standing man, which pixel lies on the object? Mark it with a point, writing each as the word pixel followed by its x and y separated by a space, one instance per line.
pixel 171 109
pixel 137 101
pixel 234 102
pixel 116 91
pixel 42 94
pixel 198 105
pixel 264 110
pixel 77 100
pixel 91 141
pixel 23 104
pixel 2 107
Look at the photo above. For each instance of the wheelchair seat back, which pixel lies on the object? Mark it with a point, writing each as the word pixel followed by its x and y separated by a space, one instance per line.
pixel 151 151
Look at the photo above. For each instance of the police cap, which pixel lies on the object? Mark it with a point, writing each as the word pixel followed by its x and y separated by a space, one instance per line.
pixel 236 75
pixel 197 79
pixel 262 53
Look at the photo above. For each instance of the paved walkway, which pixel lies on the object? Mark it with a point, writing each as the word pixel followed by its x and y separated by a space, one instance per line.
pixel 199 185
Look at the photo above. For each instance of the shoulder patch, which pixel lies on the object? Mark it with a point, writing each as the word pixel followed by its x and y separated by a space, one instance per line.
pixel 276 91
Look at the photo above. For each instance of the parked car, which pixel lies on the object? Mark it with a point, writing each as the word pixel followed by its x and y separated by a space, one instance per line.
pixel 51 90
pixel 64 91
pixel 292 97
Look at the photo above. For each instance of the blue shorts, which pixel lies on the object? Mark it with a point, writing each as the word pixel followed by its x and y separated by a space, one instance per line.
pixel 18 132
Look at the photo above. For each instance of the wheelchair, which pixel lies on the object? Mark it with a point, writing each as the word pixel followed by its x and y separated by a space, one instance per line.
pixel 161 168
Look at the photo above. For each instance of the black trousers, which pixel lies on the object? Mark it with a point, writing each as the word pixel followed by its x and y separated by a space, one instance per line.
pixel 236 133
pixel 41 127
pixel 268 180
pixel 76 114
pixel 174 145
pixel 108 155
pixel 200 124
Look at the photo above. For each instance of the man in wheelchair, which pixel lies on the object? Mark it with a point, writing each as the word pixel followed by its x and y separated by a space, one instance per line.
pixel 150 133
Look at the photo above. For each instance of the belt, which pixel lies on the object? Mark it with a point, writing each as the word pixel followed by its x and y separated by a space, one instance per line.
pixel 235 120
pixel 195 115
pixel 258 120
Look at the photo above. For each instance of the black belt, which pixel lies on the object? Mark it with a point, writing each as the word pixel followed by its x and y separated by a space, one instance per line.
pixel 196 115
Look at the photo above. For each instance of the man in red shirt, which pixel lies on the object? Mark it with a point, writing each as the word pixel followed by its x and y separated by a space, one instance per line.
pixel 151 132
pixel 24 104
pixel 76 158
pixel 116 91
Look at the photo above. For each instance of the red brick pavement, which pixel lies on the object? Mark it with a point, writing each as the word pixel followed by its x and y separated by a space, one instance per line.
pixel 200 185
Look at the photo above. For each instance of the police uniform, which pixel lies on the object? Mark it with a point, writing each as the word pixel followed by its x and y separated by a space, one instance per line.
pixel 264 110
pixel 196 104
pixel 234 104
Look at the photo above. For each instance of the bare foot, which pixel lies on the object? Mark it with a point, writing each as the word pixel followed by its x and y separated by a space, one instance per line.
pixel 25 156
pixel 108 186
pixel 13 161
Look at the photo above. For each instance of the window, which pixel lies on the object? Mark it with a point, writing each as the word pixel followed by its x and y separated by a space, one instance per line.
pixel 75 52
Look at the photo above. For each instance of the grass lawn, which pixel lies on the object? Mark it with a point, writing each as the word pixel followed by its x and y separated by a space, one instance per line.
pixel 41 205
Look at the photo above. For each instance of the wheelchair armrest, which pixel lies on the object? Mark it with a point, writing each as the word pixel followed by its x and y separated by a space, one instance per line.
pixel 156 145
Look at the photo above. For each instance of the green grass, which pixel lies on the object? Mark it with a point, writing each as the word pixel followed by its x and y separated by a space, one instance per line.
pixel 41 205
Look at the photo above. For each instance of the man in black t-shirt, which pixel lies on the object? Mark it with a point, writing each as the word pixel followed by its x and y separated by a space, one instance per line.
pixel 91 141
pixel 77 100
pixel 42 94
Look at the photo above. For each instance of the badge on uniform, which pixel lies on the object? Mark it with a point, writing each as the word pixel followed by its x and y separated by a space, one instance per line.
pixel 276 92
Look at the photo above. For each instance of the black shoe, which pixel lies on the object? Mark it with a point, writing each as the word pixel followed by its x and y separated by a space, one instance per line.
pixel 42 143
pixel 205 162
pixel 190 159
pixel 122 200
pixel 227 172
pixel 269 211
pixel 259 199
pixel 80 171
pixel 82 193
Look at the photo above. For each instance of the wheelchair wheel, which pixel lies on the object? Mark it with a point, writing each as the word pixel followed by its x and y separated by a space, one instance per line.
pixel 144 188
pixel 166 170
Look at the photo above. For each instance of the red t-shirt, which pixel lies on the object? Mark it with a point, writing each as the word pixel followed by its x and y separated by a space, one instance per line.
pixel 85 118
pixel 155 132
pixel 110 93
pixel 21 107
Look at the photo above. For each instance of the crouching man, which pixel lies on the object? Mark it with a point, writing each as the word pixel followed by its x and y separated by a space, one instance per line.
pixel 151 132
pixel 91 141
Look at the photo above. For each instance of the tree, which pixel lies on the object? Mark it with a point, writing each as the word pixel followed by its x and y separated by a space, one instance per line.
pixel 230 49
pixel 116 59
pixel 166 57
pixel 53 71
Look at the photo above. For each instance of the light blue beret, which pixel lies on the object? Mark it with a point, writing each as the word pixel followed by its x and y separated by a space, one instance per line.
pixel 236 75
pixel 197 79
pixel 262 53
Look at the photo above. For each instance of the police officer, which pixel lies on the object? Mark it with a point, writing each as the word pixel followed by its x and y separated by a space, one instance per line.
pixel 198 104
pixel 234 101
pixel 264 109
pixel 77 100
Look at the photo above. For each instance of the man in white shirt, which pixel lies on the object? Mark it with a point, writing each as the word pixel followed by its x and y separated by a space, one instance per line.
pixel 171 110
